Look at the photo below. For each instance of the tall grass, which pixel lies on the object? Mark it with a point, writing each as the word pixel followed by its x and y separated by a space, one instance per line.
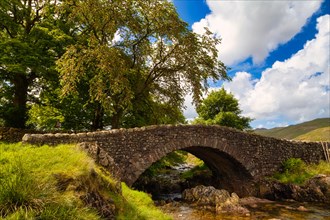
pixel 28 185
pixel 294 170
pixel 48 183
pixel 139 206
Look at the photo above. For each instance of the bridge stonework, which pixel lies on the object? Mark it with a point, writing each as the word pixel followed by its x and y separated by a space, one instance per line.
pixel 236 158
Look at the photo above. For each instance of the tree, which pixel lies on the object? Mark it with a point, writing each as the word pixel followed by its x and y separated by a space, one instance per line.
pixel 30 42
pixel 221 108
pixel 149 112
pixel 136 54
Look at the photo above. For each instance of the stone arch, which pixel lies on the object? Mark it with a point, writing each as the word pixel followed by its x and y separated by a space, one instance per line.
pixel 228 168
pixel 230 173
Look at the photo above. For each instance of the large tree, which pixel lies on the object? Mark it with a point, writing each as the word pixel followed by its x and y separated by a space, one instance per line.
pixel 136 54
pixel 221 108
pixel 30 43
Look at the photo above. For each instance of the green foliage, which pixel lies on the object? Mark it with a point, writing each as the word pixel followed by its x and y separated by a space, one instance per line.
pixel 71 111
pixel 294 170
pixel 221 108
pixel 44 117
pixel 30 42
pixel 117 63
pixel 197 170
pixel 131 51
pixel 139 206
pixel 294 165
pixel 148 112
pixel 172 159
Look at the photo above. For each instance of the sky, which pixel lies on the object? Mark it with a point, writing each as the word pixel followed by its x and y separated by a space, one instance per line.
pixel 278 53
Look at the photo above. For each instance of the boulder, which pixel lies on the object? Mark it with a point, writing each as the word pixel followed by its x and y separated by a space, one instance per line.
pixel 317 189
pixel 219 200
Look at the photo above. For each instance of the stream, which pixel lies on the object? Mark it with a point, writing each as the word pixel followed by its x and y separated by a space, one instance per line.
pixel 170 202
pixel 270 211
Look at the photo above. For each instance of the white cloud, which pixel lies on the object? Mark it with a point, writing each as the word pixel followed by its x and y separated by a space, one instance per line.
pixel 294 90
pixel 190 112
pixel 254 28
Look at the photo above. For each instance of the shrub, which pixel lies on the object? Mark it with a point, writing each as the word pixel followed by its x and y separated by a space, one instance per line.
pixel 197 170
pixel 294 165
pixel 294 170
pixel 172 159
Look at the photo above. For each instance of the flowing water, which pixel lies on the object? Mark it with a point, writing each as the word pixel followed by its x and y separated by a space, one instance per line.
pixel 274 211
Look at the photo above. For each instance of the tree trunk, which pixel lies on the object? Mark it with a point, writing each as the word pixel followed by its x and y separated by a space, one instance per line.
pixel 98 118
pixel 115 120
pixel 17 115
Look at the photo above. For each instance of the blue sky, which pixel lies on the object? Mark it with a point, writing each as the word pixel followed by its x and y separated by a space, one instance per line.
pixel 278 52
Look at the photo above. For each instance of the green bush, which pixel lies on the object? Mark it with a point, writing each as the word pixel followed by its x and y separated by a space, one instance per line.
pixel 294 165
pixel 197 170
pixel 294 170
pixel 172 159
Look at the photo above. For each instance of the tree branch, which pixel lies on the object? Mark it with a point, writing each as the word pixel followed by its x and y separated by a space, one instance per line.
pixel 7 29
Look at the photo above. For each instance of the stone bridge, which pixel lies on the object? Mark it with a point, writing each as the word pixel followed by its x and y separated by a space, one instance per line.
pixel 237 159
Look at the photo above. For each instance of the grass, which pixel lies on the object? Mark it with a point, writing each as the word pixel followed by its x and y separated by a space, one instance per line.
pixel 51 182
pixel 139 206
pixel 296 171
pixel 28 187
pixel 321 134
pixel 192 160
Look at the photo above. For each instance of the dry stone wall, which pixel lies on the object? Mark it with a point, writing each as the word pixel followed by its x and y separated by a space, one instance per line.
pixel 13 135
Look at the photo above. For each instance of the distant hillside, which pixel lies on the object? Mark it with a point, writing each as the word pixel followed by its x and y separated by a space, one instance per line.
pixel 293 131
pixel 321 134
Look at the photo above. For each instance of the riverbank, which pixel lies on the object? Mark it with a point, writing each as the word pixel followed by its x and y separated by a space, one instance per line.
pixel 63 182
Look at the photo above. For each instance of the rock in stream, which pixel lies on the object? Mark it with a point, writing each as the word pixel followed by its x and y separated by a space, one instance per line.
pixel 219 200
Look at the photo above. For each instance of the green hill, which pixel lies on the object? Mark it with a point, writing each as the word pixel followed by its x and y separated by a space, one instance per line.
pixel 321 134
pixel 294 131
